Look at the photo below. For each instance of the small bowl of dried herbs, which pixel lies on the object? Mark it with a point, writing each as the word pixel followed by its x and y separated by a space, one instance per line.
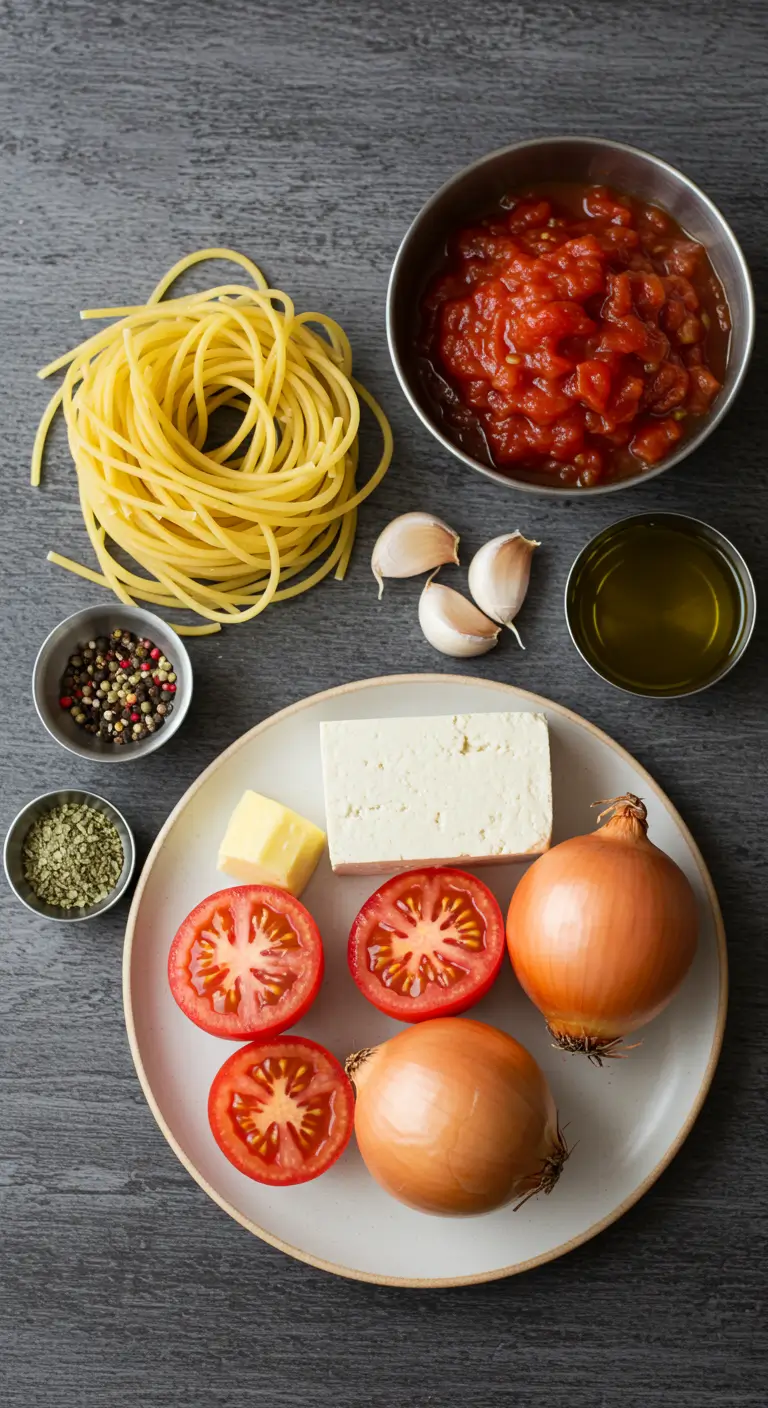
pixel 69 855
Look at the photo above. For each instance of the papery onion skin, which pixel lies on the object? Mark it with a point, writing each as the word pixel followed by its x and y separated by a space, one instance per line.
pixel 454 1117
pixel 601 931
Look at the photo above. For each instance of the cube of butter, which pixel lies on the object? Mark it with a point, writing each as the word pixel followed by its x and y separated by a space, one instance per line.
pixel 268 844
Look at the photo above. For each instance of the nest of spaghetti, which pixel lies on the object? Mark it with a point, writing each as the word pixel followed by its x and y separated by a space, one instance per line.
pixel 178 521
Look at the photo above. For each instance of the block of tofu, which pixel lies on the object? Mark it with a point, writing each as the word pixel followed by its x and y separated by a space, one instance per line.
pixel 464 788
pixel 267 844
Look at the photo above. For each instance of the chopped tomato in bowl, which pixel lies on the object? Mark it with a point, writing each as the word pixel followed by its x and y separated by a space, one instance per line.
pixel 247 962
pixel 282 1110
pixel 573 334
pixel 428 943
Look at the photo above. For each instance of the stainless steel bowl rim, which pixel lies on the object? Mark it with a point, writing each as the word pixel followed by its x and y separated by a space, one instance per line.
pixel 710 422
pixel 732 551
pixel 53 799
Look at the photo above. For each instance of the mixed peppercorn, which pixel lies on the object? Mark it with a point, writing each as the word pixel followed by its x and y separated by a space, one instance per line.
pixel 119 687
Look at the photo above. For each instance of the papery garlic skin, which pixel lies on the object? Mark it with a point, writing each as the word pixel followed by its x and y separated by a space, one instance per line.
pixel 413 543
pixel 452 624
pixel 499 574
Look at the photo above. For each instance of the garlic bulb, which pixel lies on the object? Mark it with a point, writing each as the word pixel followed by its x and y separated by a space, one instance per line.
pixel 452 624
pixel 499 574
pixel 413 543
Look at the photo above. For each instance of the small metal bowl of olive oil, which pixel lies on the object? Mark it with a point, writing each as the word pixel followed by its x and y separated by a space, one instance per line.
pixel 660 605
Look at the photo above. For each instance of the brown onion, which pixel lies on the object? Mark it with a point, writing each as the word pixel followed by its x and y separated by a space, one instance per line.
pixel 601 931
pixel 455 1117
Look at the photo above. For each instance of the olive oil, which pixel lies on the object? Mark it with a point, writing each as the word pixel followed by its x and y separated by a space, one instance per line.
pixel 657 606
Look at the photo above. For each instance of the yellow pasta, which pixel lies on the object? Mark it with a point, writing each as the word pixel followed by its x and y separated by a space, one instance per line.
pixel 222 532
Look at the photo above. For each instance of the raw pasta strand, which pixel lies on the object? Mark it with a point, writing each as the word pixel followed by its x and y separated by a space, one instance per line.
pixel 222 532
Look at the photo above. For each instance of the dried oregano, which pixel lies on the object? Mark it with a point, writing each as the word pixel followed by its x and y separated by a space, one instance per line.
pixel 72 856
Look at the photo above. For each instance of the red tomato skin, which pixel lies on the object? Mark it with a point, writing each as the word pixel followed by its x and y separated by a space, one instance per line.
pixel 346 1112
pixel 184 996
pixel 440 1006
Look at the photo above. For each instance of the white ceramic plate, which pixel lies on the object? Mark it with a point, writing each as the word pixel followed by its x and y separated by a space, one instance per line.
pixel 626 1120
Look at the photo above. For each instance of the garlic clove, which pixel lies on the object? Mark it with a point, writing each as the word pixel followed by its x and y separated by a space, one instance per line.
pixel 452 624
pixel 499 574
pixel 413 543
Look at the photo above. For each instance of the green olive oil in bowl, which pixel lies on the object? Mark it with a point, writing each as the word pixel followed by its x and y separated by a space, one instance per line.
pixel 660 604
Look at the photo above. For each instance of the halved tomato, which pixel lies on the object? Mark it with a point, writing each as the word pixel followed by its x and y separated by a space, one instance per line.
pixel 428 943
pixel 247 962
pixel 282 1111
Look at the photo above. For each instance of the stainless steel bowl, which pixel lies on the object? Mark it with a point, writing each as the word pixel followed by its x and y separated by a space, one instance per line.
pixel 724 546
pixel 51 662
pixel 478 189
pixel 19 830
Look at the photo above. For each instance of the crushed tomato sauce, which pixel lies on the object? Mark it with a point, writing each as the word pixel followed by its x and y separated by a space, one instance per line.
pixel 575 331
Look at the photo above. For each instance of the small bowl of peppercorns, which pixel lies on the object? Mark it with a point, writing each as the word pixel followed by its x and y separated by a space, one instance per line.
pixel 112 683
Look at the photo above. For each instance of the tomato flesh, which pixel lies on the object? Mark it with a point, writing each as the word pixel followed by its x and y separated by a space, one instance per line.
pixel 282 1110
pixel 427 943
pixel 247 962
pixel 563 316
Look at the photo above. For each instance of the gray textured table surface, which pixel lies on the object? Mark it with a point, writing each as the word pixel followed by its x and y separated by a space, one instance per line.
pixel 308 134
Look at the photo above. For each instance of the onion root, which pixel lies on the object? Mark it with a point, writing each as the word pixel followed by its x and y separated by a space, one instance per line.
pixel 596 1049
pixel 550 1170
pixel 355 1062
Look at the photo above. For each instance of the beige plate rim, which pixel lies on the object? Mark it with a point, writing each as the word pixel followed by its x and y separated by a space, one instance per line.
pixel 647 1182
